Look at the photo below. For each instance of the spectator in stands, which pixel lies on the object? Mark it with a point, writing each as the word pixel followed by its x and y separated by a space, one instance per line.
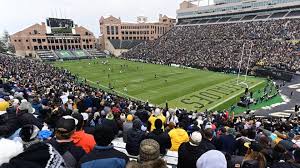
pixel 109 121
pixel 62 142
pixel 162 137
pixel 178 136
pixel 148 156
pixel 156 115
pixel 189 152
pixel 134 138
pixel 8 123
pixel 25 115
pixel 127 126
pixel 212 159
pixel 80 138
pixel 104 155
pixel 254 157
pixel 226 141
pixel 206 143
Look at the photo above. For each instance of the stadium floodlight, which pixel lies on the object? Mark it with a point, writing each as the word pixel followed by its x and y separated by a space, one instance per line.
pixel 245 52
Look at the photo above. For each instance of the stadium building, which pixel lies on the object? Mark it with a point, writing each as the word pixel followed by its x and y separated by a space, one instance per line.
pixel 55 39
pixel 236 10
pixel 115 32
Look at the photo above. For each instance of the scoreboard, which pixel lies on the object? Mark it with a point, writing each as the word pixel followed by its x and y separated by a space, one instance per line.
pixel 60 25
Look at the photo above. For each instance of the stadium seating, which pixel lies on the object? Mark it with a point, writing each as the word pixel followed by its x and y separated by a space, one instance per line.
pixel 47 55
pixel 96 53
pixel 220 46
pixel 66 55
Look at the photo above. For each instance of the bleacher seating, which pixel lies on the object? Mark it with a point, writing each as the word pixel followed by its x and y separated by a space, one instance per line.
pixel 64 54
pixel 47 55
pixel 96 53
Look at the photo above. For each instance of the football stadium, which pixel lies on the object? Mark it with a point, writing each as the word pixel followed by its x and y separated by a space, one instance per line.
pixel 216 87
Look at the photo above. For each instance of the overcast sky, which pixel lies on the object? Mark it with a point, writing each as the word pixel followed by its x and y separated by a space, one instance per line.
pixel 16 15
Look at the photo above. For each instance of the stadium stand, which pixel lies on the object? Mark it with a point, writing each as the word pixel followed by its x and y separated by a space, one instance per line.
pixel 46 96
pixel 81 54
pixel 96 53
pixel 47 55
pixel 208 45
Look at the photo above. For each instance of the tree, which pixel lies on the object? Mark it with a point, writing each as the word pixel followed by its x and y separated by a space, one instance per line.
pixel 2 47
pixel 5 44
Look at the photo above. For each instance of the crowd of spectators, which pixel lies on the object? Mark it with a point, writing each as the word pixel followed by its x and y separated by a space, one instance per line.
pixel 47 120
pixel 220 46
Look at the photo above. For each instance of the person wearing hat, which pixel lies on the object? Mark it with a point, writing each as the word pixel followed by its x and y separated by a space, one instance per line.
pixel 189 152
pixel 149 156
pixel 29 135
pixel 156 115
pixel 63 143
pixel 134 138
pixel 212 159
pixel 104 155
pixel 178 136
pixel 109 121
pixel 80 138
pixel 161 136
pixel 25 115
pixel 127 125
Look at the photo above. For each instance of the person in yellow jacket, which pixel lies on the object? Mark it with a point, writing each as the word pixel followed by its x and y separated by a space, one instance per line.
pixel 3 105
pixel 178 136
pixel 156 115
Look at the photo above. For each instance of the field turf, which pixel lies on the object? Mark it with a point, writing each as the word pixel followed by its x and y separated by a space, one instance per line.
pixel 183 88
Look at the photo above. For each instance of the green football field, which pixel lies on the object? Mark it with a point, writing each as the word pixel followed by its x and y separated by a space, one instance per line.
pixel 182 88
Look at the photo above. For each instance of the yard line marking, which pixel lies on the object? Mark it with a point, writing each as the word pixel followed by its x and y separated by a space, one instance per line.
pixel 115 91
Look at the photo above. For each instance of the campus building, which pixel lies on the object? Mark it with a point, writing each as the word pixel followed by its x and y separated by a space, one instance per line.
pixel 56 34
pixel 113 28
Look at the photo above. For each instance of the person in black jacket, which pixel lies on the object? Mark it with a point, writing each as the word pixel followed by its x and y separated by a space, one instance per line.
pixel 134 137
pixel 25 116
pixel 206 143
pixel 8 123
pixel 65 127
pixel 160 136
pixel 189 152
pixel 109 121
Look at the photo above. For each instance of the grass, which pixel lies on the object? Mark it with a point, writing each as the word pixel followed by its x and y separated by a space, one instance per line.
pixel 183 88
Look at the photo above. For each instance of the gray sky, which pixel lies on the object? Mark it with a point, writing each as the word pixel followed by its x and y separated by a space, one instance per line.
pixel 16 15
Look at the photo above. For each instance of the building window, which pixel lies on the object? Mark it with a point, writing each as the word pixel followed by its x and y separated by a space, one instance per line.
pixel 117 30
pixel 117 38
pixel 15 40
pixel 43 40
pixel 33 40
pixel 45 47
pixel 39 41
pixel 86 33
pixel 112 30
pixel 28 47
pixel 35 32
pixel 91 46
pixel 26 40
pixel 40 47
pixel 107 29
pixel 35 47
